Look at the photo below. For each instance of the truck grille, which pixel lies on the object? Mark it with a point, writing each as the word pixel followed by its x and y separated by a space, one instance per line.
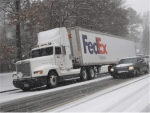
pixel 24 68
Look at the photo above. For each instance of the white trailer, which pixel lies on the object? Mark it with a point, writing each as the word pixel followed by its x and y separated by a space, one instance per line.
pixel 59 50
pixel 95 48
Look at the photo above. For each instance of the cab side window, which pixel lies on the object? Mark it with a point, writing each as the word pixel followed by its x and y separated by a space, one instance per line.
pixel 57 50
pixel 49 50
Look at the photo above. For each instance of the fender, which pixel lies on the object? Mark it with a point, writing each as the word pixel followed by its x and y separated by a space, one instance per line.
pixel 46 69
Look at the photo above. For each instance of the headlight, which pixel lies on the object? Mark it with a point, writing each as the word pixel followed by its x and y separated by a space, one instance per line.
pixel 14 75
pixel 38 72
pixel 112 70
pixel 131 68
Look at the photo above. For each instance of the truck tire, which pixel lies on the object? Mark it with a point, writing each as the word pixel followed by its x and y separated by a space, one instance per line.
pixel 83 75
pixel 52 80
pixel 91 73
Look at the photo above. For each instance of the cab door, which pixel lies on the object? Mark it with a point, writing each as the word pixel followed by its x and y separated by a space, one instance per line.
pixel 58 57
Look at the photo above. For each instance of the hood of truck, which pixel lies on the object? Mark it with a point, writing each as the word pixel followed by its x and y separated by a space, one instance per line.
pixel 38 62
pixel 41 60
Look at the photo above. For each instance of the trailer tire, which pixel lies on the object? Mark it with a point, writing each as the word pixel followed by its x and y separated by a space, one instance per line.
pixel 83 74
pixel 91 73
pixel 52 80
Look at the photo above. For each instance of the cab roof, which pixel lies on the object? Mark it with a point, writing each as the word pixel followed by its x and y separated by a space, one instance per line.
pixel 45 46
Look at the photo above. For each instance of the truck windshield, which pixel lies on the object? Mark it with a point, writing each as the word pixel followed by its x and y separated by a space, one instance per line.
pixel 42 52
pixel 129 60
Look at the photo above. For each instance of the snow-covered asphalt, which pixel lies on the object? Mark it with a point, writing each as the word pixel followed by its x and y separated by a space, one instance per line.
pixel 130 96
pixel 44 100
pixel 59 98
pixel 18 94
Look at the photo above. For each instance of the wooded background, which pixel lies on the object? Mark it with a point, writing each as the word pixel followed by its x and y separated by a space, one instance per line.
pixel 21 20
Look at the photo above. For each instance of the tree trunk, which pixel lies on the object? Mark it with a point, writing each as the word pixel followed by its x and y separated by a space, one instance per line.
pixel 18 37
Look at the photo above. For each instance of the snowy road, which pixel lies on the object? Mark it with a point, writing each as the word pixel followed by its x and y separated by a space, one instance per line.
pixel 130 96
pixel 43 100
pixel 13 95
pixel 101 94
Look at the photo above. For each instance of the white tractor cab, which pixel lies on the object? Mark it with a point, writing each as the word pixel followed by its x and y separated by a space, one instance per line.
pixel 51 62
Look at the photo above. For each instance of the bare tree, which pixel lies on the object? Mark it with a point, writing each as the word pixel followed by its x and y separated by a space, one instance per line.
pixel 28 17
pixel 145 37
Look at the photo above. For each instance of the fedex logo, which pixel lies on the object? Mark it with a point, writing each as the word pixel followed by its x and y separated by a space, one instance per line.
pixel 96 47
pixel 58 57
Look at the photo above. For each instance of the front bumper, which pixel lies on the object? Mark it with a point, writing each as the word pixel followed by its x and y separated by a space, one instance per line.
pixel 123 73
pixel 30 82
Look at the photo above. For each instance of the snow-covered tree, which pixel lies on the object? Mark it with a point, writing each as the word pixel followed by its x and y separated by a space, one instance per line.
pixel 135 25
pixel 25 18
pixel 145 37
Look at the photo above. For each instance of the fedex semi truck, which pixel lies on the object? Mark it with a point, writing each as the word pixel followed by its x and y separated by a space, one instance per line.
pixel 66 54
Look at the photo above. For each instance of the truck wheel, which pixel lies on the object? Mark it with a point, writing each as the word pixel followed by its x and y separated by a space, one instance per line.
pixel 52 80
pixel 91 73
pixel 83 75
